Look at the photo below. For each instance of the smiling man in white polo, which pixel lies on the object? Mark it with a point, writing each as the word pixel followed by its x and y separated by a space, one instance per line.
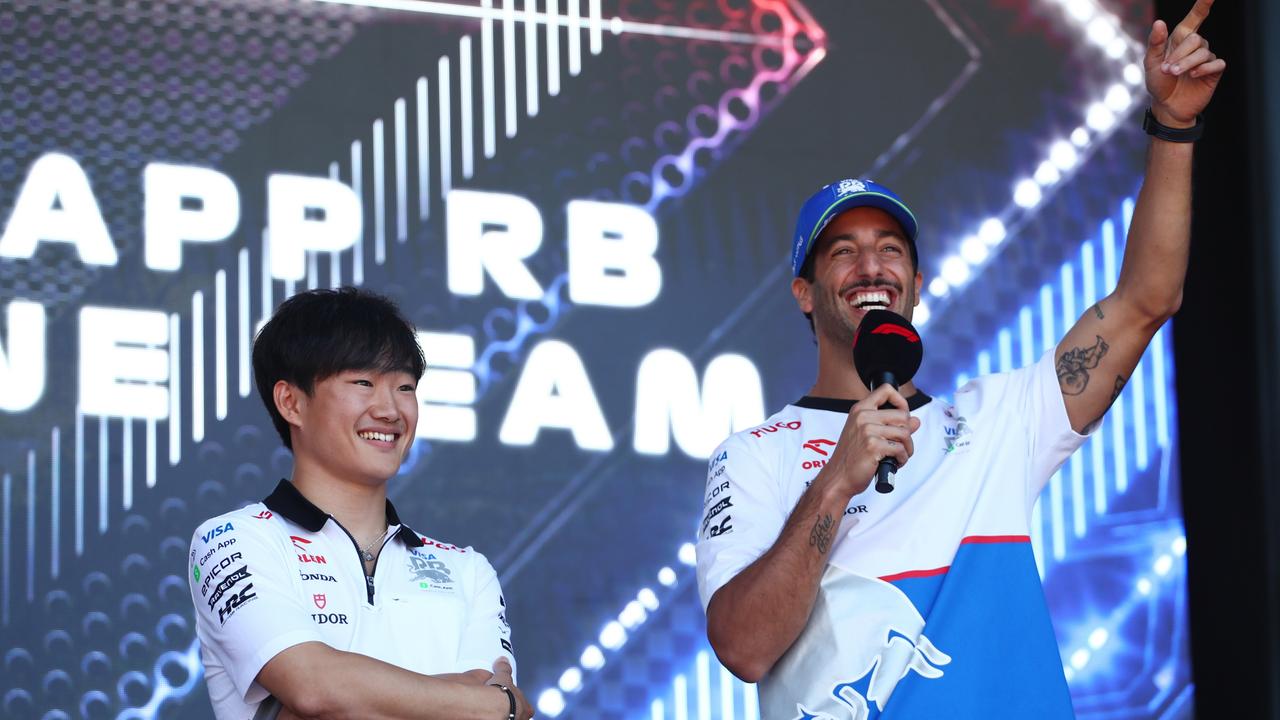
pixel 319 601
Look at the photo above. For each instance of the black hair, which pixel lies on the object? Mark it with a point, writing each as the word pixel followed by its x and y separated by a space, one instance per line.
pixel 317 334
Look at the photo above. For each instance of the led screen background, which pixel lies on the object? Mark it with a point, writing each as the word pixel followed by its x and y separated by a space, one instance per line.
pixel 1010 127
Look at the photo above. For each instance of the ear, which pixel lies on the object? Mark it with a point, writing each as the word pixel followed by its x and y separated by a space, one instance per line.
pixel 290 401
pixel 802 291
pixel 919 286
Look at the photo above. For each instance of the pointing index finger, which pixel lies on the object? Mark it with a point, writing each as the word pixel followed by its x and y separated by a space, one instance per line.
pixel 1196 16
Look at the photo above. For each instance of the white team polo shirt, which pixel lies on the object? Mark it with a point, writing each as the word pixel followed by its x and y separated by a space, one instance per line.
pixel 931 593
pixel 281 572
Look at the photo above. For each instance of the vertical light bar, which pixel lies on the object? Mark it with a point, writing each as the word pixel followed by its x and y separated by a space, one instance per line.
pixel 750 703
pixel 531 58
pixel 423 118
pixel 357 186
pixel 679 695
pixel 79 482
pixel 1108 255
pixel 197 366
pixel 1027 342
pixel 151 453
pixel 126 463
pixel 175 389
pixel 220 344
pixel 104 492
pixel 267 303
pixel 1138 393
pixel 703 665
pixel 1161 381
pixel 242 315
pixel 379 194
pixel 726 684
pixel 657 711
pixel 402 172
pixel 31 526
pixel 575 38
pixel 313 271
pixel 335 258
pixel 597 26
pixel 55 501
pixel 509 65
pixel 984 363
pixel 1004 340
pixel 486 81
pixel 465 102
pixel 287 289
pixel 553 47
pixel 5 544
pixel 445 110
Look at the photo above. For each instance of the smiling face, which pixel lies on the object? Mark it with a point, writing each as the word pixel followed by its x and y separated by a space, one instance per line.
pixel 355 426
pixel 862 261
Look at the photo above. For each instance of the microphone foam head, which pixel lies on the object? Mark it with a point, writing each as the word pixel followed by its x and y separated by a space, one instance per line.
pixel 886 342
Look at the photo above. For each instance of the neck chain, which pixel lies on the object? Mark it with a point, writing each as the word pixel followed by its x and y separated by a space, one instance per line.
pixel 364 551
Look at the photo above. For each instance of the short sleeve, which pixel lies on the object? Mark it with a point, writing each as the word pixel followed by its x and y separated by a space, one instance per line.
pixel 742 515
pixel 246 608
pixel 486 634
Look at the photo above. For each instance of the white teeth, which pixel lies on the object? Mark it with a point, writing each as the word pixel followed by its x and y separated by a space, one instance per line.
pixel 384 437
pixel 878 298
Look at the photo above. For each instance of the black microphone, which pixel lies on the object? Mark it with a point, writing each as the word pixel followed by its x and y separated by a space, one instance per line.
pixel 886 350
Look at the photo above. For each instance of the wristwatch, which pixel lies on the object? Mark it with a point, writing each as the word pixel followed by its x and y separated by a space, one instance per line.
pixel 511 698
pixel 1168 134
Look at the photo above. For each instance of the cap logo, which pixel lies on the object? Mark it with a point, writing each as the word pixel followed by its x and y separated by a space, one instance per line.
pixel 850 186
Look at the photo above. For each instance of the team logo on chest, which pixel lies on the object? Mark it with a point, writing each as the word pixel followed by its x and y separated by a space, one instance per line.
pixel 320 600
pixel 429 573
pixel 956 433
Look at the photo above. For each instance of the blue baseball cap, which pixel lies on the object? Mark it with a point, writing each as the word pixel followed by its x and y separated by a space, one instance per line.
pixel 823 206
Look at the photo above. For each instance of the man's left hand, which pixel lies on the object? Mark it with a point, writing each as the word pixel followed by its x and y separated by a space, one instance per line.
pixel 1181 72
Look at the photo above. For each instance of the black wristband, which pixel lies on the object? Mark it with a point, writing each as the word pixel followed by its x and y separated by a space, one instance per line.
pixel 511 698
pixel 1169 134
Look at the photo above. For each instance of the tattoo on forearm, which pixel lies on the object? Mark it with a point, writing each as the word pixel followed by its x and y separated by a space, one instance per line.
pixel 820 535
pixel 1097 310
pixel 1115 393
pixel 1074 366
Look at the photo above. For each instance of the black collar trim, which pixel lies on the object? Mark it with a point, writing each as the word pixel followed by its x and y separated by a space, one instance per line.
pixel 292 505
pixel 915 402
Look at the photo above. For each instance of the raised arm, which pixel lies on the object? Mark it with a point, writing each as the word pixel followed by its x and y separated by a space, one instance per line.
pixel 1097 356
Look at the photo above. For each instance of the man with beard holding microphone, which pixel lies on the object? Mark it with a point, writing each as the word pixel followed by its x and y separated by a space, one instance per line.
pixel 833 596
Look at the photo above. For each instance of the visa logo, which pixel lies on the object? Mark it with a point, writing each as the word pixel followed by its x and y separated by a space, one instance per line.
pixel 216 532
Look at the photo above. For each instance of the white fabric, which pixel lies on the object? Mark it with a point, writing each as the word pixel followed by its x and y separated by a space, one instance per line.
pixel 978 467
pixel 437 608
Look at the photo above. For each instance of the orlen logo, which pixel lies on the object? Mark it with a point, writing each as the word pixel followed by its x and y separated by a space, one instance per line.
pixel 205 538
pixel 891 329
pixel 303 557
pixel 762 431
pixel 820 446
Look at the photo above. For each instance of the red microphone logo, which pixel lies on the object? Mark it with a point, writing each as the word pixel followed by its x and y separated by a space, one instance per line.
pixel 891 329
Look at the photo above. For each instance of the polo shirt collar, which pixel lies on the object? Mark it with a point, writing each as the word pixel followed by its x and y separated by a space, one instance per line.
pixel 287 502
